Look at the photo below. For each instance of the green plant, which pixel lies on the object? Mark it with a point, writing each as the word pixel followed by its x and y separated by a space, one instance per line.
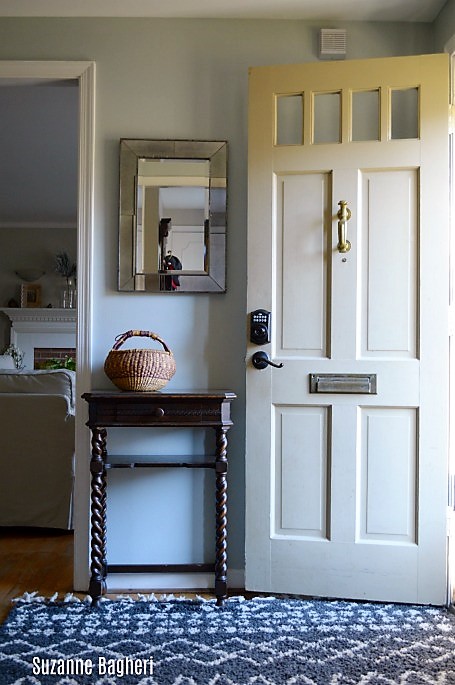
pixel 66 363
pixel 64 266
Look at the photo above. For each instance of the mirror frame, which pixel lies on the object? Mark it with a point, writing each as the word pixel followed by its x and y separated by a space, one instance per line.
pixel 133 150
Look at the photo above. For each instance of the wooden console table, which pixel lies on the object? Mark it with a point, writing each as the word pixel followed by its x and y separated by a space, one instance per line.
pixel 197 409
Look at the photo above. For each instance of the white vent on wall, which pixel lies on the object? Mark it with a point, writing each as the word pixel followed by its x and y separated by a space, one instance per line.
pixel 332 43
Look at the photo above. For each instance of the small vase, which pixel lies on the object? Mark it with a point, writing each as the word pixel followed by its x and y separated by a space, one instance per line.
pixel 69 294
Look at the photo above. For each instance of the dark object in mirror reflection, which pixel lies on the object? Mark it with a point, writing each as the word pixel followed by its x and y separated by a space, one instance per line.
pixel 171 263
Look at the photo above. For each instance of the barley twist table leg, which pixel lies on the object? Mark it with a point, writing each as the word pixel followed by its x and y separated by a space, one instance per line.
pixel 221 466
pixel 98 515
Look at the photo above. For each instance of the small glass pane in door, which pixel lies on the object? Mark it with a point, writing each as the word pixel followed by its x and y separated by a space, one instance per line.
pixel 365 115
pixel 327 118
pixel 289 116
pixel 405 113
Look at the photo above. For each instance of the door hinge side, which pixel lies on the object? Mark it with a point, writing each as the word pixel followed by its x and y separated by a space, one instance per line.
pixel 451 119
pixel 452 318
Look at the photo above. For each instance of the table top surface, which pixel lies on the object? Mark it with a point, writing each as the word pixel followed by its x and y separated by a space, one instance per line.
pixel 126 395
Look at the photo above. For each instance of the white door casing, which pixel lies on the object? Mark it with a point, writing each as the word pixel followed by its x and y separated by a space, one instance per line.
pixel 347 493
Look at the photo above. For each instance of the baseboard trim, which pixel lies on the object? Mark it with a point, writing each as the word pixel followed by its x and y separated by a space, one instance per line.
pixel 155 582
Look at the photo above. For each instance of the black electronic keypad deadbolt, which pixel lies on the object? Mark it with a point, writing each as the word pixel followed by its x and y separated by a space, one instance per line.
pixel 260 327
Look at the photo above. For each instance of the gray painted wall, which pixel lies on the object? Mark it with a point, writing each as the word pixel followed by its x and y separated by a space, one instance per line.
pixel 39 144
pixel 30 247
pixel 444 25
pixel 38 186
pixel 181 79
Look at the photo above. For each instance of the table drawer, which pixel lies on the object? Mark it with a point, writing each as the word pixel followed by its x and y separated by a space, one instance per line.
pixel 159 413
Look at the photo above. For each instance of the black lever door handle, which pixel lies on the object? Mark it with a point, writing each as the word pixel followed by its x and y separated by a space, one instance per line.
pixel 261 360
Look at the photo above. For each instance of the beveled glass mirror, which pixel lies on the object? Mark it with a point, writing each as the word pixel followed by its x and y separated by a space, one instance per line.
pixel 172 232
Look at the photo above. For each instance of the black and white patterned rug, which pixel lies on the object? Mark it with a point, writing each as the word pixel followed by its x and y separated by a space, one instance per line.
pixel 262 641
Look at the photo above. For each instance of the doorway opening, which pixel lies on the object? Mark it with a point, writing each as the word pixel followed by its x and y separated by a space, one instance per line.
pixel 84 74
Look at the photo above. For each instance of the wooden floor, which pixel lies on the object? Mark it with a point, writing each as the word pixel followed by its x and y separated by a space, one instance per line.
pixel 34 559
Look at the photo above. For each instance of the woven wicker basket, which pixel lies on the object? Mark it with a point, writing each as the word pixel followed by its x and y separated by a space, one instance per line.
pixel 141 370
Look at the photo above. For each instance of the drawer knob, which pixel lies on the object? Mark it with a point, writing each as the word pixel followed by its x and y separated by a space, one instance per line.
pixel 159 412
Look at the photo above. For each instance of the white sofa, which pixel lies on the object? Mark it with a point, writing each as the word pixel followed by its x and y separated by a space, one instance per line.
pixel 37 448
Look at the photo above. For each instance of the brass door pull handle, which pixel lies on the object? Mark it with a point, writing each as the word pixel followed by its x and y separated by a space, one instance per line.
pixel 344 214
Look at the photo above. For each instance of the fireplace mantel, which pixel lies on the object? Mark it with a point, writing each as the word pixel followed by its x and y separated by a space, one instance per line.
pixel 33 327
pixel 33 315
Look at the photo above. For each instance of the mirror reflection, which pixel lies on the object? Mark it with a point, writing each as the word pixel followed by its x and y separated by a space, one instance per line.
pixel 172 216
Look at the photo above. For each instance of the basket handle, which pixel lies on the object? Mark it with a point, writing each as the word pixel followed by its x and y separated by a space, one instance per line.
pixel 120 339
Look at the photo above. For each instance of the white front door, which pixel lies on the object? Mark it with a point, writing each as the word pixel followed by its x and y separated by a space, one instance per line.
pixel 347 442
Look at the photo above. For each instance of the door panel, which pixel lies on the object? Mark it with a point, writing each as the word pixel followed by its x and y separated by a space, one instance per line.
pixel 389 228
pixel 302 263
pixel 346 492
pixel 388 475
pixel 301 488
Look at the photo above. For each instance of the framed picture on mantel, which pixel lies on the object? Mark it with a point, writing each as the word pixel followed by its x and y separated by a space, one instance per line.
pixel 30 295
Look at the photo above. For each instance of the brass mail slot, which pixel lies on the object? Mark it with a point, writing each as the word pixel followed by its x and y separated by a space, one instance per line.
pixel 361 383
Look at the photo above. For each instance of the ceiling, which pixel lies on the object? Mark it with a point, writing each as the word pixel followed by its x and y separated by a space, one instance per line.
pixel 317 10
